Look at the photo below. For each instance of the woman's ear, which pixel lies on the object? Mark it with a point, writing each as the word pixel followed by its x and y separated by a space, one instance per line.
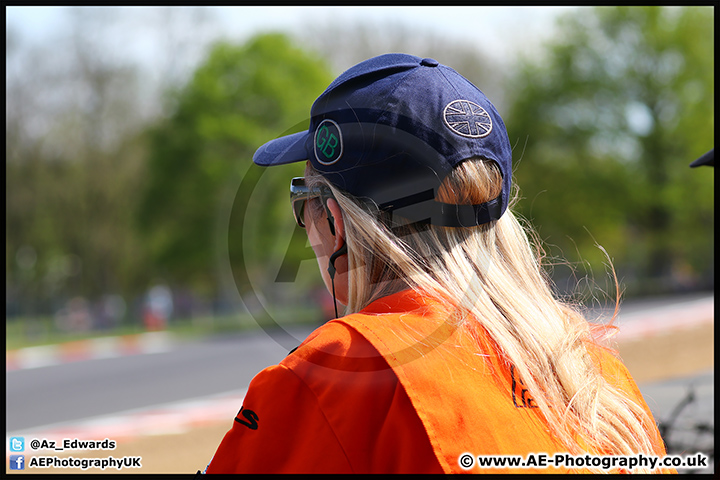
pixel 338 222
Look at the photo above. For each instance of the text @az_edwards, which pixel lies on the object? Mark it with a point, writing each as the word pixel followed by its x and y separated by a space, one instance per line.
pixel 72 444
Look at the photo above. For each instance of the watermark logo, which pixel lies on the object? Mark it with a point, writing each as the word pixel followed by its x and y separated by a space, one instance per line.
pixel 250 280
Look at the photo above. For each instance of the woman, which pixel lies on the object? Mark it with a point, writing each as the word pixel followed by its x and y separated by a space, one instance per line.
pixel 453 347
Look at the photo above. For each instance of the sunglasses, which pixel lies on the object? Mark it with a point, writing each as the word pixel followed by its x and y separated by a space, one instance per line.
pixel 300 194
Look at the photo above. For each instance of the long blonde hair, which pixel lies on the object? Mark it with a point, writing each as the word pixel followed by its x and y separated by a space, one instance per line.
pixel 492 275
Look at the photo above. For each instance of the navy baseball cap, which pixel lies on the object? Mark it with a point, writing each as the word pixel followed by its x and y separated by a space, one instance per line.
pixel 391 128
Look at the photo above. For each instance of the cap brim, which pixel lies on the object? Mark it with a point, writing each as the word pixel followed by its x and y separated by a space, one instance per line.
pixel 283 150
pixel 707 159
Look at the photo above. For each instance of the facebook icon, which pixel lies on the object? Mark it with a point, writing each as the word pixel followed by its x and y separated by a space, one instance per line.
pixel 17 462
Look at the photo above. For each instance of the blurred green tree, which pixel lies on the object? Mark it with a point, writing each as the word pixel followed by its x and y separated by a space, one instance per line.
pixel 239 98
pixel 605 125
pixel 72 156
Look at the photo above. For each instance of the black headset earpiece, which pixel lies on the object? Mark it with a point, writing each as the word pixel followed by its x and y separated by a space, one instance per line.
pixel 340 251
pixel 331 266
pixel 331 270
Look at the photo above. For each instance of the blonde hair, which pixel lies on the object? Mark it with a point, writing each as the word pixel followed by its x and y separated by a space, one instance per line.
pixel 492 276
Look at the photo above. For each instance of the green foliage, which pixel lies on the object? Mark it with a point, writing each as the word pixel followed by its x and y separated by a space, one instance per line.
pixel 67 227
pixel 607 124
pixel 72 160
pixel 241 97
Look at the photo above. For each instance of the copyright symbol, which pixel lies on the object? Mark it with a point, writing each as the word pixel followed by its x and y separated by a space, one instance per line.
pixel 466 461
pixel 35 444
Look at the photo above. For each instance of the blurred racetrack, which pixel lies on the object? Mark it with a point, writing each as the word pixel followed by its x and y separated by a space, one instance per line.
pixel 172 407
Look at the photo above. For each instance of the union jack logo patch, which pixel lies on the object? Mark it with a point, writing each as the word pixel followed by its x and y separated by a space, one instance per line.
pixel 467 118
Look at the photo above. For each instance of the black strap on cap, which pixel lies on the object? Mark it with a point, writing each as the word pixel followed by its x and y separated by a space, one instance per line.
pixel 419 208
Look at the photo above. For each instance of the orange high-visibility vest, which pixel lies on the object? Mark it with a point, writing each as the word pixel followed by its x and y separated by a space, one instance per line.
pixel 394 389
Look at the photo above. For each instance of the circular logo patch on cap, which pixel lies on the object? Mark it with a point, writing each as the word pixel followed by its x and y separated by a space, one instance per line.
pixel 467 118
pixel 328 142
